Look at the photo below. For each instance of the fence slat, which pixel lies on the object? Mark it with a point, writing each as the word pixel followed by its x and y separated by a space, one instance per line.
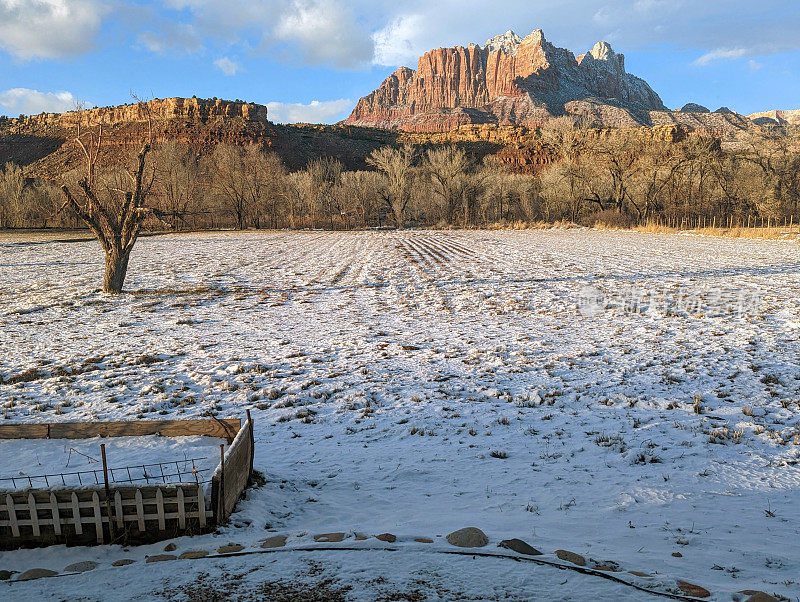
pixel 76 514
pixel 140 510
pixel 201 506
pixel 225 428
pixel 160 509
pixel 98 517
pixel 56 514
pixel 34 514
pixel 12 515
pixel 118 507
pixel 181 509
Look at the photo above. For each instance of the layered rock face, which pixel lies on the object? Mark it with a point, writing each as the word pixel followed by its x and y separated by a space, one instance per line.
pixel 158 109
pixel 507 81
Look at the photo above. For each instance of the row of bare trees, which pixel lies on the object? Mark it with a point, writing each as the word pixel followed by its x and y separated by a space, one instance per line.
pixel 623 177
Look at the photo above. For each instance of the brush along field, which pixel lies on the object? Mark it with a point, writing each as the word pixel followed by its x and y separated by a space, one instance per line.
pixel 630 397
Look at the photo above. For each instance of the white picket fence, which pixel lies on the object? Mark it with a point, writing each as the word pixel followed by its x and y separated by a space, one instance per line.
pixel 70 513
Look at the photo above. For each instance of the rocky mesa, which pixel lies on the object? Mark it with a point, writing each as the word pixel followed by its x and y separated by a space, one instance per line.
pixel 515 81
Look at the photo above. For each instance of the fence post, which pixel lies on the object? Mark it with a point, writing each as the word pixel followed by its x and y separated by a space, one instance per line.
pixel 221 519
pixel 252 445
pixel 108 493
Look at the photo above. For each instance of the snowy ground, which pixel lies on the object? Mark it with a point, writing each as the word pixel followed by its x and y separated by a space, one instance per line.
pixel 420 382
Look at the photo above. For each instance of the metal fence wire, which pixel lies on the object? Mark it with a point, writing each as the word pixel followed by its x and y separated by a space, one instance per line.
pixel 174 472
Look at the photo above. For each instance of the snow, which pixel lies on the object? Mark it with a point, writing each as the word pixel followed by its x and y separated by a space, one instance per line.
pixel 129 458
pixel 383 369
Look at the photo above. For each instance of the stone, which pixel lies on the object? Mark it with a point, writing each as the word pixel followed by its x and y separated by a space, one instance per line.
pixel 757 596
pixel 361 538
pixel 519 546
pixel 6 575
pixel 468 537
pixel 161 558
pixel 231 548
pixel 123 562
pixel 329 537
pixel 571 557
pixel 193 554
pixel 423 540
pixel 36 574
pixel 677 555
pixel 81 567
pixel 641 574
pixel 277 541
pixel 170 547
pixel 387 537
pixel 690 589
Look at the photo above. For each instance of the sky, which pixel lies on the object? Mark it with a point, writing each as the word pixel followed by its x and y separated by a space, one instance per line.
pixel 311 60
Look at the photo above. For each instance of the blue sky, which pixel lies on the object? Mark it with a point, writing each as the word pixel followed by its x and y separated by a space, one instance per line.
pixel 310 60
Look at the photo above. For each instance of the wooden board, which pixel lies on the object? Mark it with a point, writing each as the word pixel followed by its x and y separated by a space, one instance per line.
pixel 23 431
pixel 226 428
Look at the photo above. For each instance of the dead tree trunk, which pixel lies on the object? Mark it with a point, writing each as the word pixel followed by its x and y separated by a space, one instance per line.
pixel 116 225
pixel 116 270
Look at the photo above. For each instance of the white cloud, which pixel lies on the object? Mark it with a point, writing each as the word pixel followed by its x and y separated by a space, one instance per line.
pixel 325 31
pixel 721 54
pixel 401 42
pixel 32 102
pixel 227 66
pixel 49 28
pixel 172 37
pixel 315 112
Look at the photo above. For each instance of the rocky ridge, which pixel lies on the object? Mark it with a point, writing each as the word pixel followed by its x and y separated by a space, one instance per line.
pixel 777 117
pixel 158 109
pixel 515 81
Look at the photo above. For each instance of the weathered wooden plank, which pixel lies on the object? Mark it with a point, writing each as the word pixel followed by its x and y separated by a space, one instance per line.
pixel 201 506
pixel 119 511
pixel 56 514
pixel 181 510
pixel 140 511
pixel 237 470
pixel 76 514
pixel 98 516
pixel 34 514
pixel 160 509
pixel 23 431
pixel 224 428
pixel 12 515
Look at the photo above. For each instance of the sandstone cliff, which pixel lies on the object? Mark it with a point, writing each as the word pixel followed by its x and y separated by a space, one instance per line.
pixel 157 109
pixel 514 81
pixel 507 81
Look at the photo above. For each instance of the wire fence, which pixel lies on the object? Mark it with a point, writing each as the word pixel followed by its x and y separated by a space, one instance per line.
pixel 179 471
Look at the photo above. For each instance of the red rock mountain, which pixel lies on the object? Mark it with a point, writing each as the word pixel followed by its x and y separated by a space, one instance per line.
pixel 514 81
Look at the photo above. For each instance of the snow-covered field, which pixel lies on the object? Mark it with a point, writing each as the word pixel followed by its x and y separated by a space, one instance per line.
pixel 420 382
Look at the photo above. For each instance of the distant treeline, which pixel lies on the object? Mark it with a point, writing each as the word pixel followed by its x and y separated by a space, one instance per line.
pixel 624 179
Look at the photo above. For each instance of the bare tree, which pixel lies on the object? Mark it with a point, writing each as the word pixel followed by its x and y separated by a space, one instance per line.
pixel 12 196
pixel 448 167
pixel 396 165
pixel 324 175
pixel 178 180
pixel 113 213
